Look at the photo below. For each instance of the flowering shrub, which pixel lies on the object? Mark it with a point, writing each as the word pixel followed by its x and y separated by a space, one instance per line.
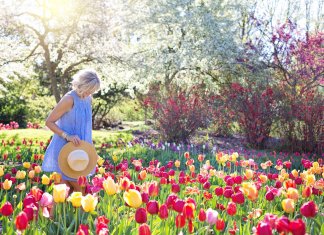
pixel 254 109
pixel 179 113
pixel 33 125
pixel 12 125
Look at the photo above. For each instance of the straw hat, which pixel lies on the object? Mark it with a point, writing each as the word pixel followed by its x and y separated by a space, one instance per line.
pixel 75 161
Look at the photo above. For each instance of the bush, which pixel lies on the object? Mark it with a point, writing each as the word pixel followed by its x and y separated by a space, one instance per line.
pixel 254 108
pixel 179 112
pixel 13 108
pixel 39 108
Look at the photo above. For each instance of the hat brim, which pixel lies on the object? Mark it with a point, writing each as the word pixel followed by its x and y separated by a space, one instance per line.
pixel 67 149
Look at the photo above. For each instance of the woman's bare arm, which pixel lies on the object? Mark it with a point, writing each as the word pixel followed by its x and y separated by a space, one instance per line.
pixel 65 105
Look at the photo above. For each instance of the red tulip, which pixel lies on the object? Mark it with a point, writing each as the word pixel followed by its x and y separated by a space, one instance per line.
pixel 6 209
pixel 278 184
pixel 140 216
pixel 190 226
pixel 228 192
pixel 21 221
pixel 307 192
pixel 144 229
pixel 206 185
pixel 220 224
pixel 163 212
pixel 30 211
pixel 180 221
pixel 83 230
pixel 163 180
pixel 153 189
pixel 270 219
pixel 230 181
pixel 309 209
pixel 152 207
pixel 231 208
pixel 282 224
pixel 29 199
pixel 82 181
pixel 175 188
pixel 202 215
pixel 238 179
pixel 178 205
pixel 269 196
pixel 297 227
pixel 238 198
pixel 170 200
pixel 263 228
pixel 145 197
pixel 188 210
pixel 219 191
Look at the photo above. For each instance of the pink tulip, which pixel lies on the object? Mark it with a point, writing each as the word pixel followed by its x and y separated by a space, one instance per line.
pixel 211 216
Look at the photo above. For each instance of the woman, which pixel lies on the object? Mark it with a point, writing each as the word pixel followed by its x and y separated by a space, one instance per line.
pixel 71 121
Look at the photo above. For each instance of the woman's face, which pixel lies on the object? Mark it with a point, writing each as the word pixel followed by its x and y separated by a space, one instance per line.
pixel 86 93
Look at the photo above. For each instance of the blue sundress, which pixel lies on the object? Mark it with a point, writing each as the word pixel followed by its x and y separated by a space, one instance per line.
pixel 77 121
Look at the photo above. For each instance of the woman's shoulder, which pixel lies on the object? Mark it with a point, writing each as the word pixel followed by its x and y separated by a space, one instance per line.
pixel 67 100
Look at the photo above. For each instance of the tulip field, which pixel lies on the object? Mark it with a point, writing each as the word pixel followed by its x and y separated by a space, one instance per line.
pixel 142 187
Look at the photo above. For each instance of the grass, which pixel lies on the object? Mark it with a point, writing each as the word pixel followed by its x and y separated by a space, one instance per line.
pixel 43 135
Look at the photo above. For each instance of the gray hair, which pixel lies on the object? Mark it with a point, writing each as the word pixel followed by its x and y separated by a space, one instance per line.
pixel 86 80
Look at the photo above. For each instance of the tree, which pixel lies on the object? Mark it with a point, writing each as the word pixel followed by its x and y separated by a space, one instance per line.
pixel 57 37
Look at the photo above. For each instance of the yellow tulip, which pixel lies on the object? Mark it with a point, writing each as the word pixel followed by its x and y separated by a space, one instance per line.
pixel 20 175
pixel 110 186
pixel 6 185
pixel 26 165
pixel 31 174
pixel 75 199
pixel 288 205
pixel 234 156
pixel 133 198
pixel 100 161
pixel 101 170
pixel 294 173
pixel 60 192
pixel 177 163
pixel 192 168
pixel 89 203
pixel 292 193
pixel 310 179
pixel 45 180
pixel 248 174
pixel 212 172
pixel 1 171
pixel 263 178
pixel 37 169
pixel 114 158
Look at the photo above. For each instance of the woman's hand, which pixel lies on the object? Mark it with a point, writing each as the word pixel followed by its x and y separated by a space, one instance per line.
pixel 74 139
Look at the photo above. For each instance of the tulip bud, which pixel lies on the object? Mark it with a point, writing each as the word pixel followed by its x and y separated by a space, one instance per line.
pixel 140 216
pixel 202 215
pixel 6 209
pixel 175 188
pixel 269 196
pixel 163 212
pixel 211 216
pixel 309 209
pixel 152 207
pixel 220 225
pixel 21 221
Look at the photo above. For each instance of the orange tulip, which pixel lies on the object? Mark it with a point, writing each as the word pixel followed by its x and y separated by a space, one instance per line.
pixel 288 205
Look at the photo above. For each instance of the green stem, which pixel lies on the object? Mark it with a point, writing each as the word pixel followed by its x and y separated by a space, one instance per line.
pixel 76 220
pixel 64 216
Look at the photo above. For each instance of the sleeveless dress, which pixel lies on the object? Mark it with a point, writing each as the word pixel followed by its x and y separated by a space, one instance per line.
pixel 77 121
